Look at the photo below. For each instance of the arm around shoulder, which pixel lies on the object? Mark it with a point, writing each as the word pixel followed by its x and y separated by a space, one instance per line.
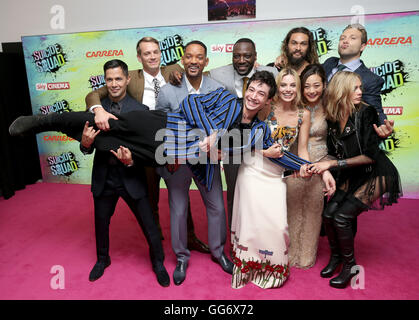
pixel 94 97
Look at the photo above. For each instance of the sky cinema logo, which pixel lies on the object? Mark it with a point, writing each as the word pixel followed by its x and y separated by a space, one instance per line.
pixel 52 86
pixel 393 111
pixel 218 48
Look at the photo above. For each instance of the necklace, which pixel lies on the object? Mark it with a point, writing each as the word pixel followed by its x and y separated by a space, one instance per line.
pixel 313 109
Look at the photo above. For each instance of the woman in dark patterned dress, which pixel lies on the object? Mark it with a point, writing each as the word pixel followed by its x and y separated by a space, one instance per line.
pixel 365 177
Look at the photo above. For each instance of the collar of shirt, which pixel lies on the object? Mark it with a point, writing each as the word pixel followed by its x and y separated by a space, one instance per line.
pixel 238 82
pixel 351 65
pixel 149 79
pixel 191 89
pixel 106 102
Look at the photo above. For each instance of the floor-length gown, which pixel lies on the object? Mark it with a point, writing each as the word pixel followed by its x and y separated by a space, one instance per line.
pixel 305 199
pixel 259 229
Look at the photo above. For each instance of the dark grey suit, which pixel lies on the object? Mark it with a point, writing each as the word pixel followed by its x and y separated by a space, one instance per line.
pixel 225 75
pixel 178 184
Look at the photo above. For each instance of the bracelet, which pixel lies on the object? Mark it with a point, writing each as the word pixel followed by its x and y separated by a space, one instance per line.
pixel 342 163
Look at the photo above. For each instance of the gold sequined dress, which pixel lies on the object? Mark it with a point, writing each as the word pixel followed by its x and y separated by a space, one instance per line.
pixel 305 199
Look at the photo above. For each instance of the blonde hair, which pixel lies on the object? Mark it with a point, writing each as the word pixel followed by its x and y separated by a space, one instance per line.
pixel 338 95
pixel 297 103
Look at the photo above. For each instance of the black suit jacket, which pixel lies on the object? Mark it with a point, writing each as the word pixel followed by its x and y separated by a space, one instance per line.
pixel 371 83
pixel 133 178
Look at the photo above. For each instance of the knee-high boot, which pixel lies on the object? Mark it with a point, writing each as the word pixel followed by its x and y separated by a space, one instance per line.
pixel 343 219
pixel 335 258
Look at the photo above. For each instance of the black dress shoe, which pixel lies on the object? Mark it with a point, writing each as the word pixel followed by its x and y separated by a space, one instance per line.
pixel 162 276
pixel 225 264
pixel 25 125
pixel 179 274
pixel 195 244
pixel 21 125
pixel 99 269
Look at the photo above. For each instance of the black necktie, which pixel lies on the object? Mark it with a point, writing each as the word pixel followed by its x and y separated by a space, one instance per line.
pixel 341 67
pixel 115 108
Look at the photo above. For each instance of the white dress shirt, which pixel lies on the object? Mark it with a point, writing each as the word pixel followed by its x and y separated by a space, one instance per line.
pixel 238 82
pixel 192 90
pixel 350 66
pixel 149 98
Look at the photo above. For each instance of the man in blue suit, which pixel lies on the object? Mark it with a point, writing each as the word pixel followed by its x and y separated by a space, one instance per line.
pixel 178 178
pixel 352 43
pixel 119 175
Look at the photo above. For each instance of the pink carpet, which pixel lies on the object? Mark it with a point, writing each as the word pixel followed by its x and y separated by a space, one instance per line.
pixel 49 225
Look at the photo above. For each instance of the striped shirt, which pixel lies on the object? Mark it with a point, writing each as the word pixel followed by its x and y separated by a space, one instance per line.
pixel 201 115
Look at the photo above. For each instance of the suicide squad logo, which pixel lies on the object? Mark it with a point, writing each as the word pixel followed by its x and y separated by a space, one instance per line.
pixel 172 50
pixel 50 59
pixel 63 165
pixel 97 81
pixel 322 43
pixel 57 107
pixel 393 74
pixel 390 144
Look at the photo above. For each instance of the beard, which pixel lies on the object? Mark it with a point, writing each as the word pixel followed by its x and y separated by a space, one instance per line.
pixel 296 62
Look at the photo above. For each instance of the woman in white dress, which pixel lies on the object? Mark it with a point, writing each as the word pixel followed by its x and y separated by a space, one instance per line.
pixel 259 230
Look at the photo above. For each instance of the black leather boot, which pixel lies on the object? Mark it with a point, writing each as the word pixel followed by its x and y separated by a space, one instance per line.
pixel 346 243
pixel 329 228
pixel 343 221
pixel 335 257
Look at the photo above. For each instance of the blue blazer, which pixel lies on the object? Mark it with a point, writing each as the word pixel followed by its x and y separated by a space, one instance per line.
pixel 371 83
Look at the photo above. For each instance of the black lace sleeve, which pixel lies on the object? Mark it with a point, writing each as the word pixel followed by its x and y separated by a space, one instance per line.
pixel 369 139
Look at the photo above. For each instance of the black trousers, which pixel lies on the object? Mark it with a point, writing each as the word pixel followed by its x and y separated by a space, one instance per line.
pixel 104 209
